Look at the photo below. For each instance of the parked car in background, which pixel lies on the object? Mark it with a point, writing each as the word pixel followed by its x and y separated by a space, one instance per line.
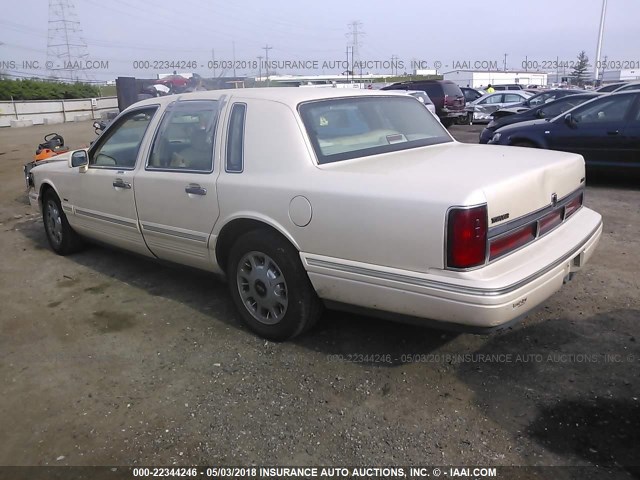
pixel 610 87
pixel 508 86
pixel 304 197
pixel 471 94
pixel 424 98
pixel 480 111
pixel 605 131
pixel 538 99
pixel 628 86
pixel 546 111
pixel 445 95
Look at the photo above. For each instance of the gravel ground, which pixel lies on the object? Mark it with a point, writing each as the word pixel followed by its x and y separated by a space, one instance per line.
pixel 110 359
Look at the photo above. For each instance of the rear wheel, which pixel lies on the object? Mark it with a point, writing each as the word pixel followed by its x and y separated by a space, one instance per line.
pixel 464 119
pixel 270 287
pixel 62 238
pixel 447 122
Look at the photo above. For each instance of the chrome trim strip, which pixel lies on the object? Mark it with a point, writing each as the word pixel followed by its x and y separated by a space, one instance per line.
pixel 125 223
pixel 174 233
pixel 448 287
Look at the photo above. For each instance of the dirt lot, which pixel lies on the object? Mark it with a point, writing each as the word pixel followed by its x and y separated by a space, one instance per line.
pixel 110 359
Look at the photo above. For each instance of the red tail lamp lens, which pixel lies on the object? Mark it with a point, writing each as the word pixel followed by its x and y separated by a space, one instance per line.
pixel 550 221
pixel 467 237
pixel 512 241
pixel 573 205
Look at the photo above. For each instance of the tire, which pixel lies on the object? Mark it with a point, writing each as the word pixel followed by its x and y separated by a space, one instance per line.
pixel 62 238
pixel 524 143
pixel 447 122
pixel 270 287
pixel 464 120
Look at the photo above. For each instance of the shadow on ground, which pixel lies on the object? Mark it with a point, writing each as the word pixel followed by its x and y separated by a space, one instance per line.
pixel 356 338
pixel 571 386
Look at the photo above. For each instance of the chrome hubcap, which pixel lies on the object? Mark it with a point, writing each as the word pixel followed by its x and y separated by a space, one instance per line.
pixel 54 222
pixel 262 288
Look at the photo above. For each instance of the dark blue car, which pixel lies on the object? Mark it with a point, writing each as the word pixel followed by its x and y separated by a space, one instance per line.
pixel 605 131
pixel 547 110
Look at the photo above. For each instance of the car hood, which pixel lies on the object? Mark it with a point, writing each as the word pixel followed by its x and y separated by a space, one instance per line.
pixel 541 123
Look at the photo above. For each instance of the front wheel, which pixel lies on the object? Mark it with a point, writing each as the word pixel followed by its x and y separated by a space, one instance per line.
pixel 62 238
pixel 270 287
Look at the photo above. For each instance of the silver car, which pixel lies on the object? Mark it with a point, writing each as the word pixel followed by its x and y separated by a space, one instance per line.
pixel 480 110
pixel 424 98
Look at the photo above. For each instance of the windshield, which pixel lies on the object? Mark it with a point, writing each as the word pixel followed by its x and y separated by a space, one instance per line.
pixel 346 128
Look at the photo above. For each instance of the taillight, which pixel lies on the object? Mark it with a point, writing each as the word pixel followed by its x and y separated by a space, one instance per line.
pixel 467 237
pixel 573 206
pixel 511 241
pixel 550 221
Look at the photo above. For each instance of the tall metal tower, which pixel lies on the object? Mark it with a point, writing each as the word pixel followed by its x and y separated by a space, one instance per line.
pixel 355 33
pixel 66 48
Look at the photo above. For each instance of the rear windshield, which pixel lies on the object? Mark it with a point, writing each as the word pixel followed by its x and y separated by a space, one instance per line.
pixel 451 89
pixel 346 128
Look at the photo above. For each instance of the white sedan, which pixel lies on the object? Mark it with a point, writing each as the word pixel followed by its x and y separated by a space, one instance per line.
pixel 357 200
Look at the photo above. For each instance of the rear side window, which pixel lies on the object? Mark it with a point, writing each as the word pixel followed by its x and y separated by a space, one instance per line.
pixel 511 98
pixel 235 139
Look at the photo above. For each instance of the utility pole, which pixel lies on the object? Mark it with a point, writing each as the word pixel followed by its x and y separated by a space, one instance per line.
pixel 266 49
pixel 213 60
pixel 348 63
pixel 233 46
pixel 260 57
pixel 599 47
pixel 505 61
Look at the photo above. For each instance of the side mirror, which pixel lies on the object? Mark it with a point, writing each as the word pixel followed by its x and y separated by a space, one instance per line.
pixel 540 114
pixel 570 121
pixel 97 125
pixel 79 158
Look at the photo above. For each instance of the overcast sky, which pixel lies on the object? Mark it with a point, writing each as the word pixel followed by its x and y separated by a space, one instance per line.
pixel 124 31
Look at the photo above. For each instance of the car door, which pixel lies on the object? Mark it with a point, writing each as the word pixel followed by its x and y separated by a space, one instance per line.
pixel 595 130
pixel 104 205
pixel 631 137
pixel 488 105
pixel 176 189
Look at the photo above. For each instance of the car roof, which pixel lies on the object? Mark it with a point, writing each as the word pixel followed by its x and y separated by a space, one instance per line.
pixel 287 95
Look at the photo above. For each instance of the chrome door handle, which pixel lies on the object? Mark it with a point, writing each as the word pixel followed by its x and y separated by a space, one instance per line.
pixel 613 132
pixel 119 183
pixel 195 189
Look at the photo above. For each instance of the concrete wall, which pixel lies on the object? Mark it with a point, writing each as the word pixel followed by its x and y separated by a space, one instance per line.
pixel 23 113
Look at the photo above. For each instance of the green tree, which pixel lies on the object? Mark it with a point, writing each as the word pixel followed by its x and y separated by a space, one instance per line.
pixel 580 75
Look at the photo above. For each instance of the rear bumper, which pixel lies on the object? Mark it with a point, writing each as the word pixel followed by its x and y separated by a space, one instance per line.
pixel 487 298
pixel 448 113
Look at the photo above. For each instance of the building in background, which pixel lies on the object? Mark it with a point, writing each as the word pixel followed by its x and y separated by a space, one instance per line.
pixel 477 79
pixel 613 76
